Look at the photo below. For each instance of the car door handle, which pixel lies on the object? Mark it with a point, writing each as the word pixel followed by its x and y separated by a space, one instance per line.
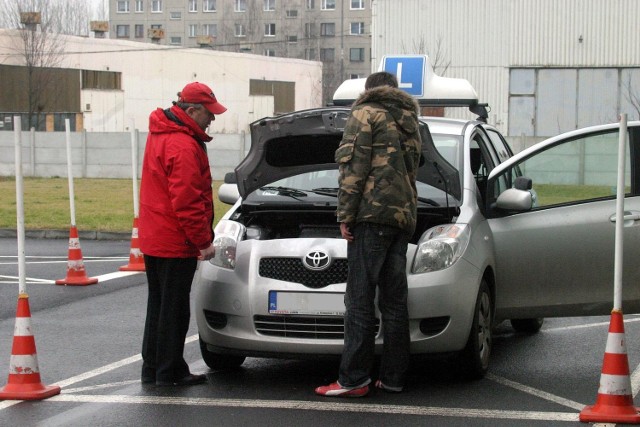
pixel 628 216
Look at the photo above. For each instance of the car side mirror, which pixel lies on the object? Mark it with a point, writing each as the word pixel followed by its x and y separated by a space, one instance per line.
pixel 228 193
pixel 523 183
pixel 514 199
pixel 230 178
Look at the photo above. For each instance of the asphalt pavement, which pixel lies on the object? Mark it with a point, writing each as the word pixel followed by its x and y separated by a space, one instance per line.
pixel 88 342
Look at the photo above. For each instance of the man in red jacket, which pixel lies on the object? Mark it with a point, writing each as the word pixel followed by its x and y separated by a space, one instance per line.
pixel 175 227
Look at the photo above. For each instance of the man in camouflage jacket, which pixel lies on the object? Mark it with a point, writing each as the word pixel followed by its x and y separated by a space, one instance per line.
pixel 378 159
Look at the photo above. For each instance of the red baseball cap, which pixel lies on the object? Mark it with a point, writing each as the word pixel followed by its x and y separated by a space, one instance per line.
pixel 200 93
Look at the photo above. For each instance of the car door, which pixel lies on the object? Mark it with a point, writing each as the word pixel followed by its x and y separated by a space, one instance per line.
pixel 557 258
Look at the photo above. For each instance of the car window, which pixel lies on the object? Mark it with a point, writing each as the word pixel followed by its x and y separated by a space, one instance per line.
pixel 500 145
pixel 574 171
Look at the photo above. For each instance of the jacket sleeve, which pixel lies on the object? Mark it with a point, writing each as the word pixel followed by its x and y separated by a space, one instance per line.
pixel 354 163
pixel 187 189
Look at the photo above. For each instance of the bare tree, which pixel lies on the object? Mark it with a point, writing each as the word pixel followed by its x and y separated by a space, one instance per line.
pixel 437 56
pixel 632 95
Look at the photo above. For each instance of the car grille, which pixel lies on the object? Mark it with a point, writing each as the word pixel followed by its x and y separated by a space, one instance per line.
pixel 308 327
pixel 292 270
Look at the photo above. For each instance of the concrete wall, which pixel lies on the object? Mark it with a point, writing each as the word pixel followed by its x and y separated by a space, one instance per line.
pixel 103 155
pixel 108 155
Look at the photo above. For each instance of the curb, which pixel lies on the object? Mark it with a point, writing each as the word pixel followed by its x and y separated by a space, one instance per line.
pixel 64 234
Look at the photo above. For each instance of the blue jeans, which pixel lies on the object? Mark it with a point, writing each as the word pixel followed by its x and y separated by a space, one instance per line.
pixel 377 258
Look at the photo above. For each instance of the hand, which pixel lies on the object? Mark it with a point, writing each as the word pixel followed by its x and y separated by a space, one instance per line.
pixel 207 253
pixel 346 232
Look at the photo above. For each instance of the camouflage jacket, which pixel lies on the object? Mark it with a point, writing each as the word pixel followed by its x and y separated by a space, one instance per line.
pixel 378 159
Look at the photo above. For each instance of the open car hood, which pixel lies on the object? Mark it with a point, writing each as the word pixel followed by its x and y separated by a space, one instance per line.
pixel 305 141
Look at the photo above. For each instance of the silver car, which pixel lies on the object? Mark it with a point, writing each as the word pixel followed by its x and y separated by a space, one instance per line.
pixel 499 237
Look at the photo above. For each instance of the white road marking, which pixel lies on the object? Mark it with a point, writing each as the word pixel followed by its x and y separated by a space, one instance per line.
pixel 321 406
pixel 535 392
pixel 101 278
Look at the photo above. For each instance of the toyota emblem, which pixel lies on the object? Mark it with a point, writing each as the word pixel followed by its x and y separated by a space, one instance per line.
pixel 316 260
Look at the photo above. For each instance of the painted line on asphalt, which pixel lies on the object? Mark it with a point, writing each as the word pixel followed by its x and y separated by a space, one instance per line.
pixel 321 406
pixel 587 325
pixel 536 392
pixel 101 278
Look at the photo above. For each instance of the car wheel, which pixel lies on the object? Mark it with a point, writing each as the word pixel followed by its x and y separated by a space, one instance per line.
pixel 528 326
pixel 475 356
pixel 219 361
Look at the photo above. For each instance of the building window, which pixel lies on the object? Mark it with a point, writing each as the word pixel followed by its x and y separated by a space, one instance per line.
pixel 193 30
pixel 269 52
pixel 327 55
pixel 269 5
pixel 311 4
pixel 309 30
pixel 139 31
pixel 123 6
pixel 328 29
pixel 292 39
pixel 357 4
pixel 175 40
pixel 292 13
pixel 240 31
pixel 210 30
pixel 208 5
pixel 328 5
pixel 241 6
pixel 269 30
pixel 355 76
pixel 310 54
pixel 357 28
pixel 156 6
pixel 193 5
pixel 139 6
pixel 175 15
pixel 356 54
pixel 122 31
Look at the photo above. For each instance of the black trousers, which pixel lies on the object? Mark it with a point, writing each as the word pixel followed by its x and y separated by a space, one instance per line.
pixel 167 321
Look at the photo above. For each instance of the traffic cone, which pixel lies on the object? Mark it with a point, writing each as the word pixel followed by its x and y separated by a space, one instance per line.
pixel 24 375
pixel 136 259
pixel 76 275
pixel 615 401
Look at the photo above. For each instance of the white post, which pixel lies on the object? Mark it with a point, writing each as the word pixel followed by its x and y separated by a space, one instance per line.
pixel 619 240
pixel 17 132
pixel 67 126
pixel 134 166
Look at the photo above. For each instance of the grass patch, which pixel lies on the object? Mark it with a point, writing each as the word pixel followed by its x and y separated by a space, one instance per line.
pixel 100 204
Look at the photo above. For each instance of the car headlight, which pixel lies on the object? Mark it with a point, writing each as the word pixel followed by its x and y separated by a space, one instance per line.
pixel 228 234
pixel 440 247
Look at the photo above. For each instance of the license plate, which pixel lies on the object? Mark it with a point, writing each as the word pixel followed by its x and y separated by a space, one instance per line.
pixel 316 303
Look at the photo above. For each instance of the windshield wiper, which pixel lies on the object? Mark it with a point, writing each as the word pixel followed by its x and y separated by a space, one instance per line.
pixel 428 201
pixel 326 191
pixel 286 191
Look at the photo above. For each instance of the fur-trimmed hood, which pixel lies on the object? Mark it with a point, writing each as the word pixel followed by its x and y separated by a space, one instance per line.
pixel 397 102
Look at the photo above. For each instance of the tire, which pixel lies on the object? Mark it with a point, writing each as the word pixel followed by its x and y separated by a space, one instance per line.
pixel 219 361
pixel 528 326
pixel 477 351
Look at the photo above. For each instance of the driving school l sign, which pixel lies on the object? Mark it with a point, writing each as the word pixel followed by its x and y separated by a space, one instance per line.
pixel 409 69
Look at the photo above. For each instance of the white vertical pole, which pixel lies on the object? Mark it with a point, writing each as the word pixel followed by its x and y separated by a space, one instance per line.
pixel 17 132
pixel 134 166
pixel 67 126
pixel 617 274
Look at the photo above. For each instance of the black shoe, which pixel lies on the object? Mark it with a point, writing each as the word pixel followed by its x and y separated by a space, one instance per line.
pixel 191 379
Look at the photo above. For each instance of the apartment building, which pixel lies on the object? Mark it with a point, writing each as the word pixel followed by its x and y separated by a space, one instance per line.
pixel 335 32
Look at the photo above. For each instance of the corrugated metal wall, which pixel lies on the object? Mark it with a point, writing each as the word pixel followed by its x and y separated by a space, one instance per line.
pixel 482 39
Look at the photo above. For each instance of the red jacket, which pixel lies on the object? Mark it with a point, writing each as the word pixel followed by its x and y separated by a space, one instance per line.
pixel 176 199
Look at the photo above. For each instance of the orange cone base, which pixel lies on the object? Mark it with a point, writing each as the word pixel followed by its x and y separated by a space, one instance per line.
pixel 133 267
pixel 610 413
pixel 77 281
pixel 28 391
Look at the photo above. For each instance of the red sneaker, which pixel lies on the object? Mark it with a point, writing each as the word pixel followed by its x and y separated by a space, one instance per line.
pixel 336 390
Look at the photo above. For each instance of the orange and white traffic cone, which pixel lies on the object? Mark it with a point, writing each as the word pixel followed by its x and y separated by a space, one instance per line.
pixel 615 400
pixel 24 376
pixel 136 259
pixel 76 274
